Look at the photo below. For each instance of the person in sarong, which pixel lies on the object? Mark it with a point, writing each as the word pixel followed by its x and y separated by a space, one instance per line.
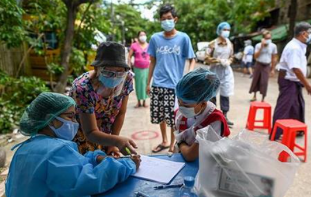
pixel 140 67
pixel 266 59
pixel 292 78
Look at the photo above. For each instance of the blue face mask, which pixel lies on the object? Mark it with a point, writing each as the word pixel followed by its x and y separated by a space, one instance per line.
pixel 67 131
pixel 225 34
pixel 110 82
pixel 168 25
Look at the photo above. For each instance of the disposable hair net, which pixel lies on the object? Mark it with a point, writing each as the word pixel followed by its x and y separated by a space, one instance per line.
pixel 222 26
pixel 42 111
pixel 198 85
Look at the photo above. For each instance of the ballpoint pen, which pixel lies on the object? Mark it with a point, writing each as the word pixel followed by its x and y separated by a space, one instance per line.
pixel 168 186
pixel 125 156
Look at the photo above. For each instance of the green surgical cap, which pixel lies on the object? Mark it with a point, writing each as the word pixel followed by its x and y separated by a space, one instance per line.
pixel 198 85
pixel 43 110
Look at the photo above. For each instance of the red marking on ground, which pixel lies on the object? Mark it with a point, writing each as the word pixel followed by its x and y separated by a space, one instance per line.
pixel 145 135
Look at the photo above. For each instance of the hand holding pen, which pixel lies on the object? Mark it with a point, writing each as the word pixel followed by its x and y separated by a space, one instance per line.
pixel 124 143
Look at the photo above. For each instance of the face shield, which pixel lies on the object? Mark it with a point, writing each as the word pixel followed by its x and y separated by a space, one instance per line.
pixel 112 82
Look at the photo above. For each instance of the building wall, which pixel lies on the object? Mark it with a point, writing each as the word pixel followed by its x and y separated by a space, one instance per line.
pixel 303 12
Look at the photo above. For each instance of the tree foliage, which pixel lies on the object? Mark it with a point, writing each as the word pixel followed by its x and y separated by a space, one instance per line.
pixel 11 29
pixel 199 18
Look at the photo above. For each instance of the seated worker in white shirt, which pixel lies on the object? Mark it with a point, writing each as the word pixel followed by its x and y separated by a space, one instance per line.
pixel 195 111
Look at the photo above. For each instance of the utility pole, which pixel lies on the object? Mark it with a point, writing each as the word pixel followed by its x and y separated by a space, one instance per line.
pixel 123 33
pixel 112 22
pixel 292 18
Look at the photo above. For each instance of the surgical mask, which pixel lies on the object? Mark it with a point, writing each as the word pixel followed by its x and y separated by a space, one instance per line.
pixel 168 25
pixel 188 112
pixel 308 41
pixel 110 82
pixel 142 38
pixel 268 41
pixel 67 131
pixel 225 34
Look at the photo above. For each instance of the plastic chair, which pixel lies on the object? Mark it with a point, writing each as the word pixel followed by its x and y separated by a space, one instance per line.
pixel 290 127
pixel 251 120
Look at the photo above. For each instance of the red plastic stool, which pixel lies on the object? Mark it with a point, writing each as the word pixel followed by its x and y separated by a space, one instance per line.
pixel 251 120
pixel 290 127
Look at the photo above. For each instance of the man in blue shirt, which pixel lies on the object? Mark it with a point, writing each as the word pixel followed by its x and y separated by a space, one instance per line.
pixel 168 52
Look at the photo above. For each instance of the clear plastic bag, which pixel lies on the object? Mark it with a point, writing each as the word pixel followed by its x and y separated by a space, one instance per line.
pixel 245 165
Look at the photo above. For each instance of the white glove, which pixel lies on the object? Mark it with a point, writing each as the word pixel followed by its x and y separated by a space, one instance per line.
pixel 225 62
pixel 187 136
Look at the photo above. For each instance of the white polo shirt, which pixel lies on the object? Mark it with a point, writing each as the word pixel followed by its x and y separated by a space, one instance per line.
pixel 294 56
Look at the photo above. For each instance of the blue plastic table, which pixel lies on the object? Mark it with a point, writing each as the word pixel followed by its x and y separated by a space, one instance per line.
pixel 132 184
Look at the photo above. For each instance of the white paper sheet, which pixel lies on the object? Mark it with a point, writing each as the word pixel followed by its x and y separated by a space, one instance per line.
pixel 158 170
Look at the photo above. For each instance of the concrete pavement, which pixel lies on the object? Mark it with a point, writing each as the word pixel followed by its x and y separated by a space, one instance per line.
pixel 137 124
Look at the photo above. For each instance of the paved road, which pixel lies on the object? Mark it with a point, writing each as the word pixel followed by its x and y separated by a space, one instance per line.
pixel 138 120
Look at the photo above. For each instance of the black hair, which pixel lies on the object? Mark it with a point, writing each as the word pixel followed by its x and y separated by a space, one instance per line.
pixel 139 33
pixel 166 9
pixel 300 27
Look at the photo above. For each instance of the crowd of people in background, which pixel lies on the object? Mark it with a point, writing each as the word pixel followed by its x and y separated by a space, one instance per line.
pixel 75 140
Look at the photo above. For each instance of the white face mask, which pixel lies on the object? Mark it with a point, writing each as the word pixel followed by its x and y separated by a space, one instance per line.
pixel 225 34
pixel 188 112
pixel 308 39
pixel 269 41
pixel 142 38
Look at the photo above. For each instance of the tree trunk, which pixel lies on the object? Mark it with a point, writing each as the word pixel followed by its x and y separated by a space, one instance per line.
pixel 72 9
pixel 292 18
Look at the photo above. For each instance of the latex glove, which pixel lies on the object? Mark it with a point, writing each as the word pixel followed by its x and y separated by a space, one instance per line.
pixel 187 136
pixel 113 151
pixel 225 62
pixel 136 159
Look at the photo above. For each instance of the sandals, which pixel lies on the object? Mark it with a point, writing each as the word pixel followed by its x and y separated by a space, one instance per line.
pixel 159 148
pixel 253 99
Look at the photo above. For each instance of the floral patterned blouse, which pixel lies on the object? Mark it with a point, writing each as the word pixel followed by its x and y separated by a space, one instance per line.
pixel 89 101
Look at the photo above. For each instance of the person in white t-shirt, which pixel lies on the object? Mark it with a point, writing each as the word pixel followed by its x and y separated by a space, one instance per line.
pixel 248 58
pixel 266 59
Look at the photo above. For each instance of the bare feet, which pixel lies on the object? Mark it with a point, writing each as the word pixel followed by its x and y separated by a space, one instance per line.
pixel 138 105
pixel 145 105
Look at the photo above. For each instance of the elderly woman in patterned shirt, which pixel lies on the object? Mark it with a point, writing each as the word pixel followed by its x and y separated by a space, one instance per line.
pixel 101 96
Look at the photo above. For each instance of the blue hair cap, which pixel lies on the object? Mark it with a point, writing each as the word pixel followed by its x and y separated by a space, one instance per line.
pixel 221 26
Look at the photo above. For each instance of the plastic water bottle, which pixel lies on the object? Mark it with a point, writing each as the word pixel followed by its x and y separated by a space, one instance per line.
pixel 187 189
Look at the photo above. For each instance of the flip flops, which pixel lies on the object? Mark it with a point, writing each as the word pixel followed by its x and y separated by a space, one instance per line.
pixel 253 99
pixel 159 148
